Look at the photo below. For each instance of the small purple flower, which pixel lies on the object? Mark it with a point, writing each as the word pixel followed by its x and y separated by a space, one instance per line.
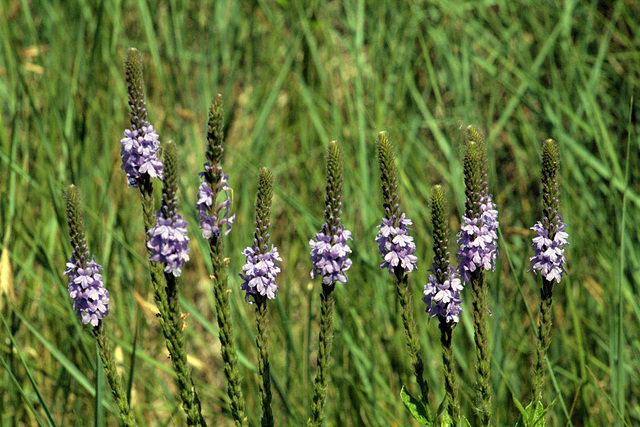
pixel 443 299
pixel 549 253
pixel 211 224
pixel 478 240
pixel 396 246
pixel 330 260
pixel 169 242
pixel 140 154
pixel 90 297
pixel 260 272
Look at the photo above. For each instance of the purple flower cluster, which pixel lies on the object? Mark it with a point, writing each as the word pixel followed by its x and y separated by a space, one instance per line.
pixel 443 299
pixel 211 224
pixel 396 246
pixel 140 154
pixel 549 253
pixel 478 240
pixel 330 260
pixel 90 297
pixel 169 243
pixel 260 272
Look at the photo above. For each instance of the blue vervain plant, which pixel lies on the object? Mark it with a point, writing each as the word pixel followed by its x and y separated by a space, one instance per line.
pixel 329 256
pixel 167 241
pixel 477 253
pixel 549 245
pixel 442 296
pixel 169 246
pixel 397 249
pixel 212 218
pixel 91 298
pixel 259 274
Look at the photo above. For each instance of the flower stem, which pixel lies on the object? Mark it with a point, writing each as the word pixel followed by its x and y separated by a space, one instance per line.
pixel 450 384
pixel 544 337
pixel 263 362
pixel 410 332
pixel 113 378
pixel 175 343
pixel 483 365
pixel 228 349
pixel 324 356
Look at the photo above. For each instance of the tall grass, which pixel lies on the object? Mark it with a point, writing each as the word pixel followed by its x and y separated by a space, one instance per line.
pixel 294 78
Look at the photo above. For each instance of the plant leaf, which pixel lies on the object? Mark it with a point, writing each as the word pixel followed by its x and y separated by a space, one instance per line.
pixel 447 421
pixel 417 409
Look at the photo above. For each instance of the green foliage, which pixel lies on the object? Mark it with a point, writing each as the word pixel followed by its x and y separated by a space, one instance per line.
pixel 417 409
pixel 293 78
pixel 533 414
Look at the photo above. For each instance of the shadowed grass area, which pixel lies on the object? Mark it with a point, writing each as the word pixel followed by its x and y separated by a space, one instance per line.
pixel 293 78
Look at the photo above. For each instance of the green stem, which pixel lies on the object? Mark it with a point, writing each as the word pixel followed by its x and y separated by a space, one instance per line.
pixel 263 362
pixel 228 349
pixel 324 356
pixel 544 337
pixel 113 378
pixel 146 198
pixel 165 296
pixel 411 332
pixel 175 343
pixel 483 365
pixel 450 383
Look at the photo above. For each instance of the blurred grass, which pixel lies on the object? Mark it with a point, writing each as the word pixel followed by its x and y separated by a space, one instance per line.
pixel 294 77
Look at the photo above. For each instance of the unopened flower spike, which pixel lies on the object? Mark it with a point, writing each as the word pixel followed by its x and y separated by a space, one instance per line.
pixel 260 270
pixel 212 217
pixel 549 260
pixel 140 144
pixel 168 241
pixel 395 245
pixel 329 248
pixel 86 287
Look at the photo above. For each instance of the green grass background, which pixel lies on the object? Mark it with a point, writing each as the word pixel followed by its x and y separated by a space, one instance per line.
pixel 295 75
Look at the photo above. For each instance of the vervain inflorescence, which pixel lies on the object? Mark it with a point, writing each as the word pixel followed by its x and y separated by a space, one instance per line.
pixel 260 272
pixel 212 221
pixel 551 239
pixel 549 257
pixel 329 248
pixel 260 269
pixel 478 238
pixel 395 244
pixel 329 255
pixel 140 143
pixel 442 293
pixel 86 287
pixel 90 297
pixel 168 241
